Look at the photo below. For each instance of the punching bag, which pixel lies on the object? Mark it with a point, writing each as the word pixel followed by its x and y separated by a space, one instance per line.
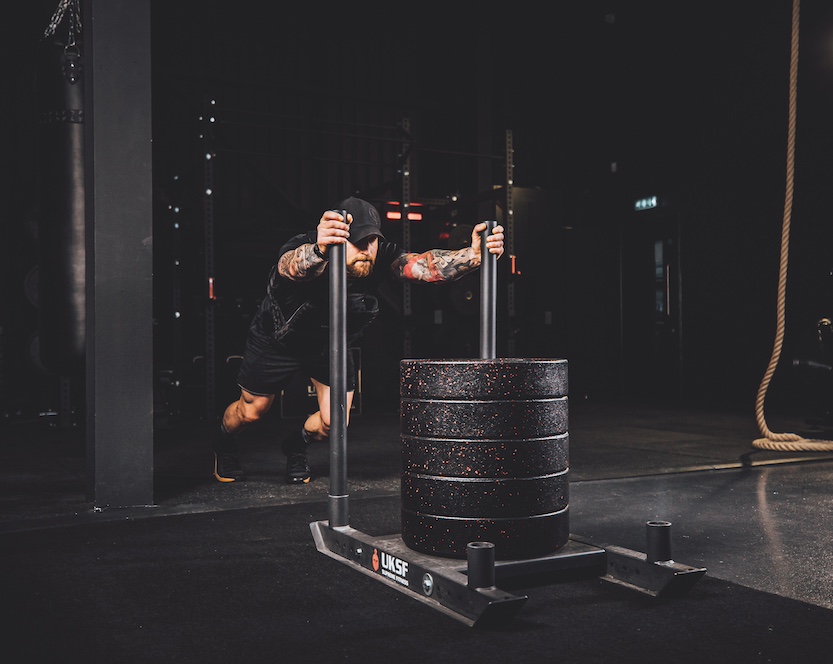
pixel 61 262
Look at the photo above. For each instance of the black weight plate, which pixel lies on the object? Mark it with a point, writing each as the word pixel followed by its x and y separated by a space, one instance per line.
pixel 478 420
pixel 485 498
pixel 514 539
pixel 485 379
pixel 485 458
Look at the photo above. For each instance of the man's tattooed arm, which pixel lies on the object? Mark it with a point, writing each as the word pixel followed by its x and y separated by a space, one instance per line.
pixel 301 264
pixel 436 265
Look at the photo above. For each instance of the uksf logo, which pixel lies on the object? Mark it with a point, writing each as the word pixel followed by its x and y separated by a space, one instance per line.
pixel 391 567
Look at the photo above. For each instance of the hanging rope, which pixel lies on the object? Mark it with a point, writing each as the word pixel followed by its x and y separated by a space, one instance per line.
pixel 785 442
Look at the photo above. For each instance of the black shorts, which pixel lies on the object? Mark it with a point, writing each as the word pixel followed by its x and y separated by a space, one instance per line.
pixel 269 365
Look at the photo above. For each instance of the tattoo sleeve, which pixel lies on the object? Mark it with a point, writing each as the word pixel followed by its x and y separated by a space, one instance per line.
pixel 301 264
pixel 436 265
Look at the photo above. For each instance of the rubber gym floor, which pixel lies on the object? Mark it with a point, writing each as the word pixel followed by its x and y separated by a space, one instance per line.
pixel 229 572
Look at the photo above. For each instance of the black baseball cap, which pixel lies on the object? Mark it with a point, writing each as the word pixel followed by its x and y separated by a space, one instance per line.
pixel 366 221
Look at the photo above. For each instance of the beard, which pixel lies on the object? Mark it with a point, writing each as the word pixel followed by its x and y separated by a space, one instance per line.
pixel 360 268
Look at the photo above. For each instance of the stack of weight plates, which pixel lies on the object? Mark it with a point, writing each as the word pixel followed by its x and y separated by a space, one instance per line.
pixel 485 456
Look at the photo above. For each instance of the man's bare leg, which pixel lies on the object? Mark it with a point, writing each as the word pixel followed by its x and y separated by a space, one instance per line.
pixel 240 414
pixel 247 409
pixel 315 428
pixel 318 424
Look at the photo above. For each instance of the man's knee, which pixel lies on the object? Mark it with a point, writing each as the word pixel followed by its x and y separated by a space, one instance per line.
pixel 251 408
pixel 323 422
pixel 316 426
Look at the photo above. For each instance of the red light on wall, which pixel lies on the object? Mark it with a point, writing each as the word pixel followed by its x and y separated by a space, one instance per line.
pixel 394 213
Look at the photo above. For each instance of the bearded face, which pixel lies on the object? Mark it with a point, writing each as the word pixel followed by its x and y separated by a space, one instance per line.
pixel 361 258
pixel 359 268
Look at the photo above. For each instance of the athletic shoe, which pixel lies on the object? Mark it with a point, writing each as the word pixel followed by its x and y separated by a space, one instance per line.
pixel 297 470
pixel 226 463
pixel 227 467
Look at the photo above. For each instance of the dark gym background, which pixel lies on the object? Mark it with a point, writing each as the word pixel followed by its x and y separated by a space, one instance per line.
pixel 607 103
pixel 648 146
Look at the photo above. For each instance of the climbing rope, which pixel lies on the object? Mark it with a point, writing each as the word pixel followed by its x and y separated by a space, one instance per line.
pixel 785 442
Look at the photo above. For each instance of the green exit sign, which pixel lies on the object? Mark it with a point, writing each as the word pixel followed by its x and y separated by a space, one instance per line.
pixel 645 203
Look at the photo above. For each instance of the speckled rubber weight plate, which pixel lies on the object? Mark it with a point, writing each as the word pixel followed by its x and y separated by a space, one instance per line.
pixel 501 378
pixel 484 498
pixel 485 456
pixel 514 539
pixel 492 458
pixel 478 420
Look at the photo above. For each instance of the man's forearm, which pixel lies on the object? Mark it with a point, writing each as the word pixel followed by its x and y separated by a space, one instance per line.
pixel 301 264
pixel 436 265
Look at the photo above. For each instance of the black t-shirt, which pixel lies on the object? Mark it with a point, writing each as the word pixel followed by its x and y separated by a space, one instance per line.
pixel 297 312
